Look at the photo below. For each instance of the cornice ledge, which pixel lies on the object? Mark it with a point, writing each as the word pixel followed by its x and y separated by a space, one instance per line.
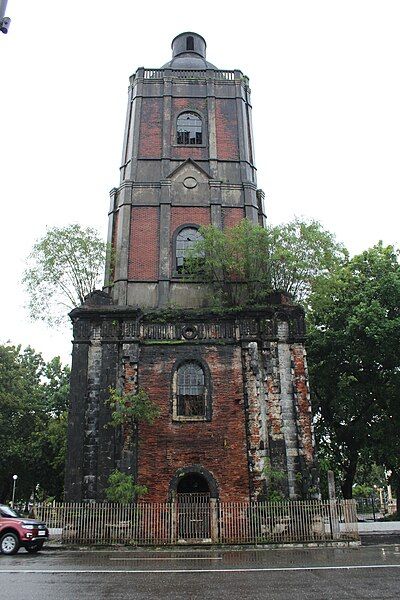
pixel 127 183
pixel 249 185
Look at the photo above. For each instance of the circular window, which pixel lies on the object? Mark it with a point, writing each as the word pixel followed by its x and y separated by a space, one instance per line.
pixel 189 332
pixel 190 182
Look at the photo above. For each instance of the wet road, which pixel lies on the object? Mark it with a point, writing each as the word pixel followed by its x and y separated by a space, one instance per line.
pixel 304 573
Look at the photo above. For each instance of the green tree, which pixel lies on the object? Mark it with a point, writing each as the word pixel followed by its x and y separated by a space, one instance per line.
pixel 385 438
pixel 303 253
pixel 369 475
pixel 63 267
pixel 33 401
pixel 20 416
pixel 353 343
pixel 245 263
pixel 53 441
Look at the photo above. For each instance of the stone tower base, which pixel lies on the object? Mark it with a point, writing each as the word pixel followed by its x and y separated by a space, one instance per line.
pixel 256 434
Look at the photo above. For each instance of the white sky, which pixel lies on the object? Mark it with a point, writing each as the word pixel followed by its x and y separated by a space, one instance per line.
pixel 325 87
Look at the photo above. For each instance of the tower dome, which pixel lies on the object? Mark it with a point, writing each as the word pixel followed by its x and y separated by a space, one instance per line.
pixel 188 52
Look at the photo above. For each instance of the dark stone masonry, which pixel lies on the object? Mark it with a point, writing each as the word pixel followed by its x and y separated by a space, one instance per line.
pixel 231 386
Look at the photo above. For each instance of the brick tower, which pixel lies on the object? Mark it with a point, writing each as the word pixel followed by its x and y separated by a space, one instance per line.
pixel 232 390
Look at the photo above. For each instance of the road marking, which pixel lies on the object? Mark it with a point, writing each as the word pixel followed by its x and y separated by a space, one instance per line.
pixel 250 570
pixel 169 558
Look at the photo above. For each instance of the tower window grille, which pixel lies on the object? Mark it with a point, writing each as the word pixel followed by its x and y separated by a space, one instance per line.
pixel 191 396
pixel 189 129
pixel 185 240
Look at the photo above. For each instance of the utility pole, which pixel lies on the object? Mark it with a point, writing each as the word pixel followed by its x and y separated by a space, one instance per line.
pixel 4 21
pixel 15 477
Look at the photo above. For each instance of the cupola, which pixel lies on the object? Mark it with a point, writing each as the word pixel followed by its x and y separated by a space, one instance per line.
pixel 189 52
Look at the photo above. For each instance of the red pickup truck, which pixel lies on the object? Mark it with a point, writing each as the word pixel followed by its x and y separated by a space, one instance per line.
pixel 16 531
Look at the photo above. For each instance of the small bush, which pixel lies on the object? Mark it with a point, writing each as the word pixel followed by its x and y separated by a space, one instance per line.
pixel 128 408
pixel 123 489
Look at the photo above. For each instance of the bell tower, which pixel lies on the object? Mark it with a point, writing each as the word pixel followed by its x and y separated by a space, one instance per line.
pixel 187 161
pixel 231 387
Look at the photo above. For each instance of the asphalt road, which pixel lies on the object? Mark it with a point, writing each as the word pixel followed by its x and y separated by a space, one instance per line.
pixel 295 574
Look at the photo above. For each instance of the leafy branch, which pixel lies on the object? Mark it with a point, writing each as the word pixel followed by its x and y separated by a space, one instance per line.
pixel 132 407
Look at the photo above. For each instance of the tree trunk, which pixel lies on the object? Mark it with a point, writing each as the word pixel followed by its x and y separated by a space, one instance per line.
pixel 5 489
pixel 129 449
pixel 350 473
pixel 396 487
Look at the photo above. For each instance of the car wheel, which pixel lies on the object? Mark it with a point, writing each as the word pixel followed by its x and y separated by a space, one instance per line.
pixel 33 548
pixel 9 543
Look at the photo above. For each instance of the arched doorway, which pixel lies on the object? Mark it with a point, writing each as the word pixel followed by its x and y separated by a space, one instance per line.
pixel 193 480
pixel 193 485
pixel 193 489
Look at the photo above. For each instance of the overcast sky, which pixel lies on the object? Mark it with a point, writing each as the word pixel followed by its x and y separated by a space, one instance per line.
pixel 325 88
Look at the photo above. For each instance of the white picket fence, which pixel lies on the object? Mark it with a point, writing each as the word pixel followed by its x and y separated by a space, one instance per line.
pixel 202 522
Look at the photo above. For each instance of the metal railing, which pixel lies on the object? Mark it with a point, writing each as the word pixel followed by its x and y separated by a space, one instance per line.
pixel 188 521
pixel 192 74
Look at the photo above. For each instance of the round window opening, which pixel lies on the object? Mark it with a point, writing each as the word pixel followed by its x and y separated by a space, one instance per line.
pixel 190 182
pixel 189 332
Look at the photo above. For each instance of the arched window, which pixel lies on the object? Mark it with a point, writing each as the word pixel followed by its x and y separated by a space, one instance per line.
pixel 190 391
pixel 185 240
pixel 189 129
pixel 189 42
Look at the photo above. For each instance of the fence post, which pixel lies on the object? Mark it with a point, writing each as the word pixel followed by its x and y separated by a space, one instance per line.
pixel 373 506
pixel 333 510
pixel 214 520
pixel 173 508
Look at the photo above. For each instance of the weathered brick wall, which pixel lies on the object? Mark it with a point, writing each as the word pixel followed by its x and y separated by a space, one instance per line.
pixel 189 214
pixel 194 152
pixel 303 404
pixel 91 416
pixel 144 244
pixel 189 104
pixel 76 423
pixel 254 402
pixel 232 216
pixel 129 384
pixel 276 439
pixel 150 133
pixel 260 403
pixel 218 445
pixel 288 413
pixel 227 129
pixel 108 438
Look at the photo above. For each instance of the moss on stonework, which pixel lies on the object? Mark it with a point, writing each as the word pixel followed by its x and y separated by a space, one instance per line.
pixel 166 315
pixel 180 342
pixel 163 342
pixel 171 314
